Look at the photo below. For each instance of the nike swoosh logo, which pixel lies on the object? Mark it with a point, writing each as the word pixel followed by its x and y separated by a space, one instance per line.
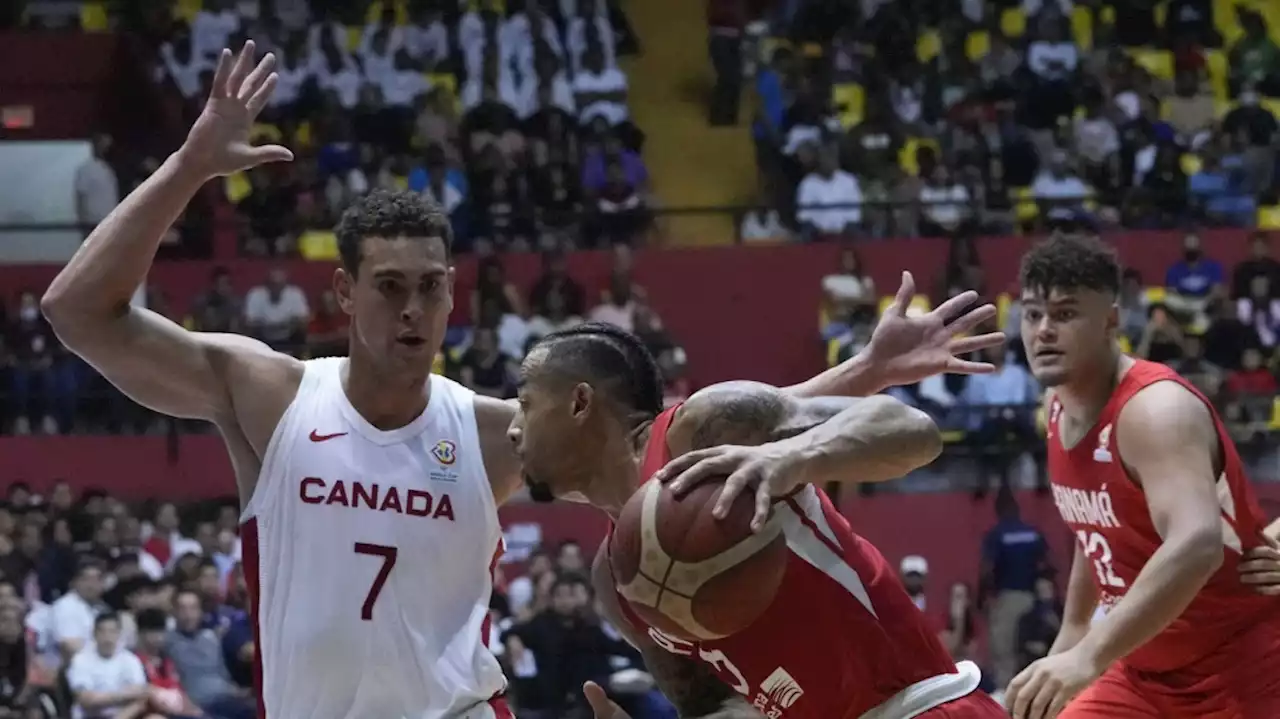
pixel 317 437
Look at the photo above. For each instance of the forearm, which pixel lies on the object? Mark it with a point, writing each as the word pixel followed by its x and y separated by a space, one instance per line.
pixel 855 377
pixel 1081 603
pixel 873 440
pixel 103 274
pixel 693 689
pixel 1174 575
pixel 104 700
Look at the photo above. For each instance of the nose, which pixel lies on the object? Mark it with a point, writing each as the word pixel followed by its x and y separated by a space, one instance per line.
pixel 513 434
pixel 413 308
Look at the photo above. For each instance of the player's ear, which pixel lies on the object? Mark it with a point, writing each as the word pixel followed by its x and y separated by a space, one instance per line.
pixel 583 396
pixel 344 286
pixel 1113 317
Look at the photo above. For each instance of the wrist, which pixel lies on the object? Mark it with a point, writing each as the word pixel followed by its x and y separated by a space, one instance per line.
pixel 1092 652
pixel 187 166
pixel 862 376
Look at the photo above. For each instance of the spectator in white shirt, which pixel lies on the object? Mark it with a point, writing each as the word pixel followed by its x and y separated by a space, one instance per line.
pixel 1096 139
pixel 212 27
pixel 829 200
pixel 551 76
pixel 292 72
pixel 377 54
pixel 492 81
pixel 600 91
pixel 585 31
pixel 402 85
pixel 182 65
pixel 277 312
pixel 481 33
pixel 762 224
pixel 530 32
pixel 1059 192
pixel 338 74
pixel 944 204
pixel 427 39
pixel 71 618
pixel 96 186
pixel 107 680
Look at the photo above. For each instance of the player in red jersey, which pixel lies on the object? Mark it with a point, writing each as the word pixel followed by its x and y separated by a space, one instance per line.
pixel 1147 477
pixel 841 639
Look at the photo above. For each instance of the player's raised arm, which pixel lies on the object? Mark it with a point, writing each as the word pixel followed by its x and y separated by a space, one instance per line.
pixel 763 438
pixel 905 349
pixel 151 359
pixel 686 680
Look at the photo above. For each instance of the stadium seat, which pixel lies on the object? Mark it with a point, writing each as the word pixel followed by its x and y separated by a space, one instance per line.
pixel 907 155
pixel 1125 345
pixel 94 17
pixel 1013 22
pixel 1226 21
pixel 1003 302
pixel 1025 208
pixel 977 45
pixel 1157 62
pixel 812 50
pixel 1082 27
pixel 928 45
pixel 265 133
pixel 1269 217
pixel 1191 163
pixel 318 245
pixel 919 304
pixel 186 10
pixel 237 187
pixel 848 99
pixel 1154 295
pixel 1216 60
pixel 354 34
pixel 401 10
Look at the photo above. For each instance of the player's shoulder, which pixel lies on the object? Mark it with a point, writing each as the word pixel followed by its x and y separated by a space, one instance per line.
pixel 1162 417
pixel 252 366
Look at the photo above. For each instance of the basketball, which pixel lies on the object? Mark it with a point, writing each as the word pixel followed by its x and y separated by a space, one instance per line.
pixel 689 574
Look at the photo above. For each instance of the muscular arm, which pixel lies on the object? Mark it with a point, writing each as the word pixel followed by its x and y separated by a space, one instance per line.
pixel 1081 602
pixel 493 417
pixel 836 439
pixel 688 682
pixel 153 360
pixel 1168 441
pixel 855 377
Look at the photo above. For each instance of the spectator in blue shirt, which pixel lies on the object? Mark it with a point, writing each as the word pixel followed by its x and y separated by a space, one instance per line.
pixel 1192 281
pixel 1218 191
pixel 1014 556
pixel 1000 409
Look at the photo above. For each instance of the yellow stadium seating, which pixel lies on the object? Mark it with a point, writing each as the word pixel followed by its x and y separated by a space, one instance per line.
pixel 1125 345
pixel 1155 294
pixel 401 10
pixel 185 10
pixel 237 187
pixel 318 245
pixel 1157 62
pixel 94 17
pixel 1013 22
pixel 354 34
pixel 1003 301
pixel 848 99
pixel 1269 217
pixel 907 155
pixel 919 304
pixel 928 45
pixel 977 45
pixel 1082 27
pixel 1025 208
pixel 1216 60
pixel 1191 163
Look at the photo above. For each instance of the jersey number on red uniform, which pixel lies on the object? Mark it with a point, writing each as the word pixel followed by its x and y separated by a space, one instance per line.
pixel 1096 548
pixel 388 555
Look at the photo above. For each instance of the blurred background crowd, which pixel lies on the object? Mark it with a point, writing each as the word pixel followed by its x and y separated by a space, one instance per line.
pixel 810 149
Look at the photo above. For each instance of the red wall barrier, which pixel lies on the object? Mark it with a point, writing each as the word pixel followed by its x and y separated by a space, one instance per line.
pixel 741 312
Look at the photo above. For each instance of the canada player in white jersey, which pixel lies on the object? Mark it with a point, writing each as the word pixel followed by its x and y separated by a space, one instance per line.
pixel 369 487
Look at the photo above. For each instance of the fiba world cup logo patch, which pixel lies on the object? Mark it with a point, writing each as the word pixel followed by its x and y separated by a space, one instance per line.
pixel 445 452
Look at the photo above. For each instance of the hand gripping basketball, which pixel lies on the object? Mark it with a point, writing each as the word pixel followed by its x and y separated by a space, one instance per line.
pixel 768 470
pixel 218 144
pixel 601 704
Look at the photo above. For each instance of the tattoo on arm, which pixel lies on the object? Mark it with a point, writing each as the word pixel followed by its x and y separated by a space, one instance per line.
pixel 692 687
pixel 750 413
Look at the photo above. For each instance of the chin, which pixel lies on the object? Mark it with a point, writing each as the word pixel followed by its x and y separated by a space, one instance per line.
pixel 1051 378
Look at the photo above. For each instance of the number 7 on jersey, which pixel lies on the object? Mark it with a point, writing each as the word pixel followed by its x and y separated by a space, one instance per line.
pixel 388 555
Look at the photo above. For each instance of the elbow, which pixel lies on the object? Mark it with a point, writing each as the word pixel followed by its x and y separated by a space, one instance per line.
pixel 915 431
pixel 1203 550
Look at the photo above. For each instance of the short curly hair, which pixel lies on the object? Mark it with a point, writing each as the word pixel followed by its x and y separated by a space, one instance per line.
pixel 1071 262
pixel 389 213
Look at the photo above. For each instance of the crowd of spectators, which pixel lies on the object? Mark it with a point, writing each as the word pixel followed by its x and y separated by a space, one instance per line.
pixel 44 389
pixel 512 116
pixel 1011 116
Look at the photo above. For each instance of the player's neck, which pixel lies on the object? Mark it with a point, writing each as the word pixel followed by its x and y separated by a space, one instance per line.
pixel 619 474
pixel 1085 399
pixel 386 401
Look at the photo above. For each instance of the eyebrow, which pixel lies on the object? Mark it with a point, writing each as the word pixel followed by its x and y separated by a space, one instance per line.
pixel 398 275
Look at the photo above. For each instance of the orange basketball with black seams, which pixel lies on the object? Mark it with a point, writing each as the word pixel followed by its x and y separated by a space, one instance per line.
pixel 688 574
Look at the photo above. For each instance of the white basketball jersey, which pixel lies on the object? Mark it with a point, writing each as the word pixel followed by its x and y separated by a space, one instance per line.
pixel 369 558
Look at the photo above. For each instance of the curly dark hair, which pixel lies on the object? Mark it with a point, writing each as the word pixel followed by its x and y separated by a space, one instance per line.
pixel 1071 262
pixel 610 357
pixel 388 213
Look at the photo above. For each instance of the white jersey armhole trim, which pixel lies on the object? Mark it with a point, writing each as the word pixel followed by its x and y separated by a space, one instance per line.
pixel 279 448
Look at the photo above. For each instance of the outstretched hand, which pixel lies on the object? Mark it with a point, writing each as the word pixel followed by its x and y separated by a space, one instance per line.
pixel 908 349
pixel 601 704
pixel 218 143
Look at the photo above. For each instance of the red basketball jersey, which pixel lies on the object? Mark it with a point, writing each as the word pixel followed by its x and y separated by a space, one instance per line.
pixel 840 639
pixel 1108 512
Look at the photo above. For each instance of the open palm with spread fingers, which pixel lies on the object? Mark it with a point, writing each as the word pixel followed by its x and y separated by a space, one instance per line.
pixel 218 143
pixel 907 349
